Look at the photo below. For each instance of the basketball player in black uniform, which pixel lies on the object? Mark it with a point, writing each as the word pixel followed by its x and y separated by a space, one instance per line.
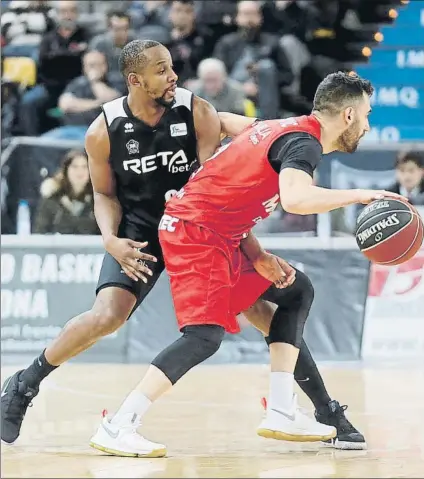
pixel 141 150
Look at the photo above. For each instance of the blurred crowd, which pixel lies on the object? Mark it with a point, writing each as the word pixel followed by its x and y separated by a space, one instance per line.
pixel 254 57
pixel 258 58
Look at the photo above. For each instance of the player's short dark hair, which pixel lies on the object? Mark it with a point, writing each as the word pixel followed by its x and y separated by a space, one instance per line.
pixel 338 90
pixel 119 14
pixel 416 157
pixel 132 57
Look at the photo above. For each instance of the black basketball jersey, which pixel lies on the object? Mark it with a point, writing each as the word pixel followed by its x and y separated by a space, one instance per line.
pixel 150 164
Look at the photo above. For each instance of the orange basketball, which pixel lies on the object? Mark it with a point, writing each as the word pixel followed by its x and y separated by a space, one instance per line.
pixel 389 231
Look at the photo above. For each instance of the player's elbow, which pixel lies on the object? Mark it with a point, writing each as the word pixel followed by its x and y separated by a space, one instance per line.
pixel 291 207
pixel 292 204
pixel 104 195
pixel 294 191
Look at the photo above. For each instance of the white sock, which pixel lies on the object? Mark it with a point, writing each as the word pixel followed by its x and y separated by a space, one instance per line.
pixel 135 402
pixel 281 389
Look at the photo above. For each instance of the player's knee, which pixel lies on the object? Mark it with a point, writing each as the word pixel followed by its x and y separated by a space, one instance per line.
pixel 289 319
pixel 300 292
pixel 197 344
pixel 205 340
pixel 106 321
pixel 304 289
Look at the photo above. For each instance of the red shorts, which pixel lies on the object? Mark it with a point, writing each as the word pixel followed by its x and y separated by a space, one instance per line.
pixel 211 280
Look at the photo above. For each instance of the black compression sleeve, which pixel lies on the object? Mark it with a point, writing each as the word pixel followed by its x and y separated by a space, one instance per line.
pixel 300 151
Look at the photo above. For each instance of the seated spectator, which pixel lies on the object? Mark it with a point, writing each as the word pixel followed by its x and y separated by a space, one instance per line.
pixel 67 203
pixel 286 17
pixel 214 86
pixel 23 25
pixel 410 177
pixel 59 62
pixel 326 43
pixel 150 19
pixel 99 9
pixel 289 19
pixel 218 16
pixel 113 41
pixel 9 108
pixel 256 59
pixel 188 43
pixel 82 98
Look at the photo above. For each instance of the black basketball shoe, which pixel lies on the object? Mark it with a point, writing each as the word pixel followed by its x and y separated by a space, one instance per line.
pixel 347 436
pixel 16 396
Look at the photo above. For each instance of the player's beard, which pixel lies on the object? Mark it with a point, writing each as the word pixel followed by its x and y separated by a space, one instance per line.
pixel 162 102
pixel 348 141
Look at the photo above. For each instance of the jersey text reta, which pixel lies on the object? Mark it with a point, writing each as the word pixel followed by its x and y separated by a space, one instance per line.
pixel 237 187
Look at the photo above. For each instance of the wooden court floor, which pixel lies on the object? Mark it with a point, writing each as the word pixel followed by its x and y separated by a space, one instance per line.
pixel 208 423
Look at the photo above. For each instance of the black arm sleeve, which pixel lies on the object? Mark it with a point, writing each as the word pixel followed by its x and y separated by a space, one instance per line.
pixel 299 150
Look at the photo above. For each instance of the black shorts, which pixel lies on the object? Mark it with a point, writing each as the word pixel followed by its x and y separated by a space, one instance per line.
pixel 111 274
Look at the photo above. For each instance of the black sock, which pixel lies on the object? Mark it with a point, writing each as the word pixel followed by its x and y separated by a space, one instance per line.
pixel 313 387
pixel 37 371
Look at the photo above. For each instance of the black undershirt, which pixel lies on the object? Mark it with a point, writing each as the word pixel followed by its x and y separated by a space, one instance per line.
pixel 298 150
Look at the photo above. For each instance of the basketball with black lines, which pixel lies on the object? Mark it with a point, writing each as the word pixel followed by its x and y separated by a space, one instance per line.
pixel 389 231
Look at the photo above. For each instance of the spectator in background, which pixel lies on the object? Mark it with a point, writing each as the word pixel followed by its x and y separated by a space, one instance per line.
pixel 286 17
pixel 23 25
pixel 218 16
pixel 188 43
pixel 9 108
pixel 66 206
pixel 326 46
pixel 150 19
pixel 214 86
pixel 113 41
pixel 255 59
pixel 410 177
pixel 82 98
pixel 59 62
pixel 100 9
pixel 290 20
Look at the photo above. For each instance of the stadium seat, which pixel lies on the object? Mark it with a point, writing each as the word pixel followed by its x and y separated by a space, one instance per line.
pixel 21 70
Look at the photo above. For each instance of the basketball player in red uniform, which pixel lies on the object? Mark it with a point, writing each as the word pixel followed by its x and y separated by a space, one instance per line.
pixel 215 264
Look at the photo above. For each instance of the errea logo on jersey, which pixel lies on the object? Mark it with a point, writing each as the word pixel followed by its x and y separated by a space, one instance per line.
pixel 175 162
pixel 129 128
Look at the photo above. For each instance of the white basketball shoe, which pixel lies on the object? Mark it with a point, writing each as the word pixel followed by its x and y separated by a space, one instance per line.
pixel 122 439
pixel 293 425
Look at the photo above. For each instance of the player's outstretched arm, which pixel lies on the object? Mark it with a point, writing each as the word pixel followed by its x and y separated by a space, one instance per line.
pixel 208 128
pixel 232 124
pixel 298 157
pixel 299 196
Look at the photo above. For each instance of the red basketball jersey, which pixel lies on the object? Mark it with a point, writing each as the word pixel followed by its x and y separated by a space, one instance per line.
pixel 237 187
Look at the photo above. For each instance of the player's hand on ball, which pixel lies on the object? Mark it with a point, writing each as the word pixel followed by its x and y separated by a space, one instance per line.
pixel 367 196
pixel 275 269
pixel 129 255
